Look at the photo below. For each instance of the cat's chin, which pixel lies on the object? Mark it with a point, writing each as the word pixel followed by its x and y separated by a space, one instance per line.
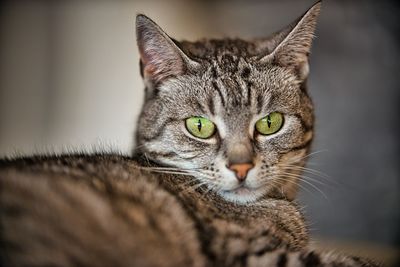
pixel 242 195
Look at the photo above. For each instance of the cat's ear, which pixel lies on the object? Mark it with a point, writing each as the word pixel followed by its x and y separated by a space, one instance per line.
pixel 291 46
pixel 160 57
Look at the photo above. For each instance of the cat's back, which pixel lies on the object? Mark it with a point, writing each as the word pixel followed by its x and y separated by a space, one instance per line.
pixel 98 210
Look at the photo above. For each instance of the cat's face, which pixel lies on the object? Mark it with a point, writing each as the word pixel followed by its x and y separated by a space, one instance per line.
pixel 233 114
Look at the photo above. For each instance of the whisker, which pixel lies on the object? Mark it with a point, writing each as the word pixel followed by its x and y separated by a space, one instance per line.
pixel 307 182
pixel 282 179
pixel 306 178
pixel 171 172
pixel 300 177
pixel 194 170
pixel 308 155
pixel 326 178
pixel 275 176
pixel 190 181
pixel 305 169
pixel 165 168
pixel 210 188
pixel 194 187
pixel 291 175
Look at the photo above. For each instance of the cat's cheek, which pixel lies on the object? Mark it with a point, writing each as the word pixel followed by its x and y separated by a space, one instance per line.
pixel 267 156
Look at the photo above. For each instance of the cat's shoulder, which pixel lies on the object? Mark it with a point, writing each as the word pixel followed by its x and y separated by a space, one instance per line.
pixel 55 162
pixel 93 199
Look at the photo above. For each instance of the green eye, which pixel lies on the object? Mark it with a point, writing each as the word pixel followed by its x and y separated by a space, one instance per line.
pixel 200 127
pixel 270 124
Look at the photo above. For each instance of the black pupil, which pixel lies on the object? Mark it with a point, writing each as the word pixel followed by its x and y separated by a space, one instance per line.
pixel 199 125
pixel 269 121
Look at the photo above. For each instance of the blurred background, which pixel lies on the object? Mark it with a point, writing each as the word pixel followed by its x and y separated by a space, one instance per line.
pixel 69 81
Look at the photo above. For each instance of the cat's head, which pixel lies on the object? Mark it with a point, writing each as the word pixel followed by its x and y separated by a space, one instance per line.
pixel 234 114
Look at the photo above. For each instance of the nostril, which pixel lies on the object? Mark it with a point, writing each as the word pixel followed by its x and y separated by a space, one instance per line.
pixel 241 170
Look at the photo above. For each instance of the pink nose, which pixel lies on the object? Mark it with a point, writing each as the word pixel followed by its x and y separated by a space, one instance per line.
pixel 241 170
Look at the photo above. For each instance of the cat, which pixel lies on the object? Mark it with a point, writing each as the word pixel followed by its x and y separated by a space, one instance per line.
pixel 222 139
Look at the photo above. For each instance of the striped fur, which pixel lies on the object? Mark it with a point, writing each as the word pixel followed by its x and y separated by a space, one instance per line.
pixel 175 203
pixel 233 83
pixel 109 210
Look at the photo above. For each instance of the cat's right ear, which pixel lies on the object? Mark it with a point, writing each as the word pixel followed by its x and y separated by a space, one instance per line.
pixel 291 46
pixel 160 57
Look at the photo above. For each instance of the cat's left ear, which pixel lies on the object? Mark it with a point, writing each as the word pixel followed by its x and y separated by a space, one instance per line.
pixel 291 46
pixel 160 57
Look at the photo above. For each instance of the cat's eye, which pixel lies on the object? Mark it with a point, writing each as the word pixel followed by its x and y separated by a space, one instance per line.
pixel 200 127
pixel 270 124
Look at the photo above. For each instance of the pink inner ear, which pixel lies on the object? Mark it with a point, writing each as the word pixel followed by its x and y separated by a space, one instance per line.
pixel 149 67
pixel 160 62
pixel 161 69
pixel 161 58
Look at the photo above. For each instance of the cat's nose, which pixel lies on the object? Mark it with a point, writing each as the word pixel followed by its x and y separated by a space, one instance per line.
pixel 241 170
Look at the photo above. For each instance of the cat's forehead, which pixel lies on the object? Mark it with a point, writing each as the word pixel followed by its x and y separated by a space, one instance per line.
pixel 245 92
pixel 224 56
pixel 230 82
pixel 232 59
pixel 221 50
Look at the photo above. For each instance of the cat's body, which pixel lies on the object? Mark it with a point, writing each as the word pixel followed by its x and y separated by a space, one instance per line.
pixel 108 210
pixel 105 206
pixel 226 125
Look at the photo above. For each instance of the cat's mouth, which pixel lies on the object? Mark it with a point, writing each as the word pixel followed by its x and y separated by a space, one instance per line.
pixel 243 193
pixel 242 190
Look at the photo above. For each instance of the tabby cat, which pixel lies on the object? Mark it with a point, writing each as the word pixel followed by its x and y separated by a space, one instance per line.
pixel 221 142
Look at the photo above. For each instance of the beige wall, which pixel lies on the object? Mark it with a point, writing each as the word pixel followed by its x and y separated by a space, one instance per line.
pixel 69 71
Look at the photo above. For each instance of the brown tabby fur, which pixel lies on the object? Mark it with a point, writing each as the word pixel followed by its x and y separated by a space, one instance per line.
pixel 105 210
pixel 150 210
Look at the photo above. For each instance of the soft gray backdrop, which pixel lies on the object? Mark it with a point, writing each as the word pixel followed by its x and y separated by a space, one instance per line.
pixel 69 81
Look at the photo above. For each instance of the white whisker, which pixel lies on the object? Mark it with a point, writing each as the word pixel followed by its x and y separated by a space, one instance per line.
pixel 307 156
pixel 307 182
pixel 305 169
